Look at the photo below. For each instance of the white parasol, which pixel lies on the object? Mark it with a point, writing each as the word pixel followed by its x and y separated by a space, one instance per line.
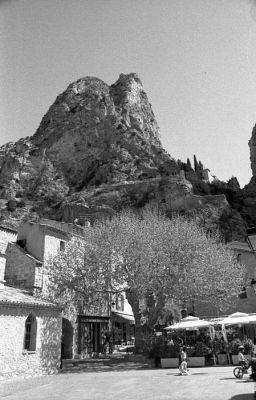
pixel 190 323
pixel 237 318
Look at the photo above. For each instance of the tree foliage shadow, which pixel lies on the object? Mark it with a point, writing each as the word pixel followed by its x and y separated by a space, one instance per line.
pixel 244 396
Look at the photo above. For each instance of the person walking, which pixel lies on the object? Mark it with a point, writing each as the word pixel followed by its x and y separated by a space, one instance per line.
pixel 183 367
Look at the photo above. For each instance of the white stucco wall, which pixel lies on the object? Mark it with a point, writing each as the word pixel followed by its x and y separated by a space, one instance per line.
pixel 51 246
pixel 246 257
pixel 2 266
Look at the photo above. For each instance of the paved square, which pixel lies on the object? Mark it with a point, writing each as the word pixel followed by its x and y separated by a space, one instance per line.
pixel 213 383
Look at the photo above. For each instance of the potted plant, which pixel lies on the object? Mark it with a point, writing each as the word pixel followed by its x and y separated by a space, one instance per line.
pixel 196 354
pixel 169 356
pixel 220 350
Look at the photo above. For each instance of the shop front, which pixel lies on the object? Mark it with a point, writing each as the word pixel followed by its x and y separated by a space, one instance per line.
pixel 123 328
pixel 92 334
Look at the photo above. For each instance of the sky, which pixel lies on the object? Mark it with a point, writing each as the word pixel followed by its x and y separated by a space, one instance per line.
pixel 196 60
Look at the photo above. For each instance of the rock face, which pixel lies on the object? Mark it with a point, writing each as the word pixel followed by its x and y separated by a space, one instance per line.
pixel 252 146
pixel 98 134
pixel 97 150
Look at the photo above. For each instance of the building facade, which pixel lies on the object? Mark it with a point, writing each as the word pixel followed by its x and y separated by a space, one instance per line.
pixel 247 299
pixel 94 329
pixel 30 332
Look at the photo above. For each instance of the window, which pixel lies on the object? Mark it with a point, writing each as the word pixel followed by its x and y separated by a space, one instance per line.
pixel 243 294
pixel 122 302
pixel 119 302
pixel 62 245
pixel 30 333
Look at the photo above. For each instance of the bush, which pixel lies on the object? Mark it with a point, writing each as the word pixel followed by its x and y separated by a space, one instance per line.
pixel 163 350
pixel 248 346
pixel 218 346
pixel 171 351
pixel 201 349
pixel 191 351
pixel 235 346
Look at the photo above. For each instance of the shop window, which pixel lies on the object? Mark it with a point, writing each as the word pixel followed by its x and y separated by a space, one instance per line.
pixel 30 333
pixel 119 302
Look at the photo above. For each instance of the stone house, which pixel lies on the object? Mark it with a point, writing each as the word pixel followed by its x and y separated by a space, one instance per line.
pixel 6 235
pixel 30 332
pixel 202 175
pixel 247 299
pixel 25 268
pixel 35 243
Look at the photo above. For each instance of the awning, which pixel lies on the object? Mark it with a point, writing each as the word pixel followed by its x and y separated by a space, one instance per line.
pixel 120 317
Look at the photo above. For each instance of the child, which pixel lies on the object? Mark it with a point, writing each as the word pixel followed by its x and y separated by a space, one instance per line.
pixel 183 362
pixel 241 358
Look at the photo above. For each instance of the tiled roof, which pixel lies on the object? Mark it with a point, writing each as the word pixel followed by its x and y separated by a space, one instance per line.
pixel 11 230
pixel 14 296
pixel 25 252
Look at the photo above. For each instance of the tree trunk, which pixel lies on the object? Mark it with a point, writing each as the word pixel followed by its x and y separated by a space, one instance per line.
pixel 146 311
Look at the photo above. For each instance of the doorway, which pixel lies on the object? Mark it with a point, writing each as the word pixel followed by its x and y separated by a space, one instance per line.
pixel 67 339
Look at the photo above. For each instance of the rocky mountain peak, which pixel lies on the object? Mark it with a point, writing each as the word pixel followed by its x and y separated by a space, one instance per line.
pixel 96 151
pixel 95 133
pixel 92 134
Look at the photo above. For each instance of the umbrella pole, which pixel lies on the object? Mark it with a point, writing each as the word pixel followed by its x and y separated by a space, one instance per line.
pixel 212 335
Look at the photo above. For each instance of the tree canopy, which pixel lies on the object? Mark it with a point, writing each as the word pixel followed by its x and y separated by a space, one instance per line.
pixel 153 259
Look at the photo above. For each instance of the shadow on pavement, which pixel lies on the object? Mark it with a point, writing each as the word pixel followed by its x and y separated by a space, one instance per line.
pixel 106 368
pixel 244 396
pixel 237 380
pixel 199 373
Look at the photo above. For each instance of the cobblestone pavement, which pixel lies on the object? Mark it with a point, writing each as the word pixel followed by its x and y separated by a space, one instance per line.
pixel 214 383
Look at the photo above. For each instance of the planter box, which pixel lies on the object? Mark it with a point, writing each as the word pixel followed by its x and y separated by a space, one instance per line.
pixel 196 361
pixel 235 358
pixel 169 362
pixel 222 359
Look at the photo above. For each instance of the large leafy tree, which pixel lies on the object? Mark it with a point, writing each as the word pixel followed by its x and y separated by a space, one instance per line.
pixel 153 259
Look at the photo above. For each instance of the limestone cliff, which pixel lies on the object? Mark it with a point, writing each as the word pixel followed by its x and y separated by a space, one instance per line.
pixel 252 146
pixel 97 150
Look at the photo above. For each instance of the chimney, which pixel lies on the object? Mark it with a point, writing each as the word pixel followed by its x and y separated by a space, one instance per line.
pixel 2 284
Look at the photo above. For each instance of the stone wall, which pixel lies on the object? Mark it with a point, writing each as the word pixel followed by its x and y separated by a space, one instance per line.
pixel 2 266
pixel 6 236
pixel 21 269
pixel 14 360
pixel 52 245
pixel 33 236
